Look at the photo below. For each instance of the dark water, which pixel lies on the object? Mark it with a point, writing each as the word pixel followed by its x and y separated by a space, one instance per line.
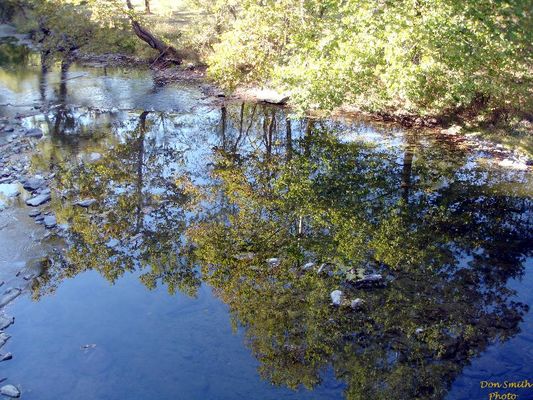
pixel 169 276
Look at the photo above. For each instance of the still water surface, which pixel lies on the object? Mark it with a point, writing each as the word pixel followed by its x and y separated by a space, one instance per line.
pixel 190 276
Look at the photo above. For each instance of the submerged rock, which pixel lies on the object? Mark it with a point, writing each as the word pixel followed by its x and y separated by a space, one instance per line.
pixel 10 391
pixel 4 337
pixel 38 200
pixel 5 321
pixel 9 296
pixel 34 213
pixel 336 297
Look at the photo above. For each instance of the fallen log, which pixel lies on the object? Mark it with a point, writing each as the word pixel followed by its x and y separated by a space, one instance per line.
pixel 165 51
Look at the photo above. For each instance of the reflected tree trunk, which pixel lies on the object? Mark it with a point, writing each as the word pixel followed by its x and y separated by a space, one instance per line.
pixel 407 168
pixel 223 123
pixel 269 133
pixel 288 140
pixel 309 125
pixel 140 168
pixel 60 116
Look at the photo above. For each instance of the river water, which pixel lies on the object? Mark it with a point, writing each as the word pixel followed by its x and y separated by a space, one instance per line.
pixel 189 276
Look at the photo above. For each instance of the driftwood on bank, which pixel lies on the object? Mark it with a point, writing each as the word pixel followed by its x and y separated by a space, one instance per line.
pixel 165 51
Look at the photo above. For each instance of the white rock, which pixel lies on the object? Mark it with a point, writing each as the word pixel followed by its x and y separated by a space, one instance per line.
pixel 273 262
pixel 357 303
pixel 309 265
pixel 507 163
pixel 9 189
pixel 336 297
pixel 270 96
pixel 10 391
pixel 94 157
pixel 452 130
pixel 112 243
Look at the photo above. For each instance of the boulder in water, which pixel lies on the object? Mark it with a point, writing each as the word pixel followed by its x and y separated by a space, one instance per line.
pixel 10 391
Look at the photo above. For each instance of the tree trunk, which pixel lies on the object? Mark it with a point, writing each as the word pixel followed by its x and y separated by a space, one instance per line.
pixel 147 6
pixel 155 43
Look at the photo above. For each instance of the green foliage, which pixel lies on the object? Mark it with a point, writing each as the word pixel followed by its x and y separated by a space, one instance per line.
pixel 62 26
pixel 428 57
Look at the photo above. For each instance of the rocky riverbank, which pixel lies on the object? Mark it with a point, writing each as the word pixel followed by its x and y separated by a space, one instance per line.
pixel 26 221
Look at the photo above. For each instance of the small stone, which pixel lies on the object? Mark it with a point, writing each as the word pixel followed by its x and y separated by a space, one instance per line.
pixel 28 277
pixel 6 357
pixel 357 303
pixel 33 184
pixel 10 391
pixel 93 157
pixel 85 203
pixel 112 243
pixel 370 280
pixel 419 331
pixel 50 221
pixel 326 268
pixel 308 266
pixel 38 200
pixel 244 256
pixel 35 133
pixel 273 262
pixel 34 213
pixel 336 297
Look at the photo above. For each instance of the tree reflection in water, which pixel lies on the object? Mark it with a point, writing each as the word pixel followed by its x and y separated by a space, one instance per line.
pixel 447 235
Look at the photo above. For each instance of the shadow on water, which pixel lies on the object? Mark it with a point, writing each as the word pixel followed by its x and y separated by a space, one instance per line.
pixel 274 214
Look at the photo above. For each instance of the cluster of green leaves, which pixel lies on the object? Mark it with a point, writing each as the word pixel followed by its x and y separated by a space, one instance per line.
pixel 421 56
